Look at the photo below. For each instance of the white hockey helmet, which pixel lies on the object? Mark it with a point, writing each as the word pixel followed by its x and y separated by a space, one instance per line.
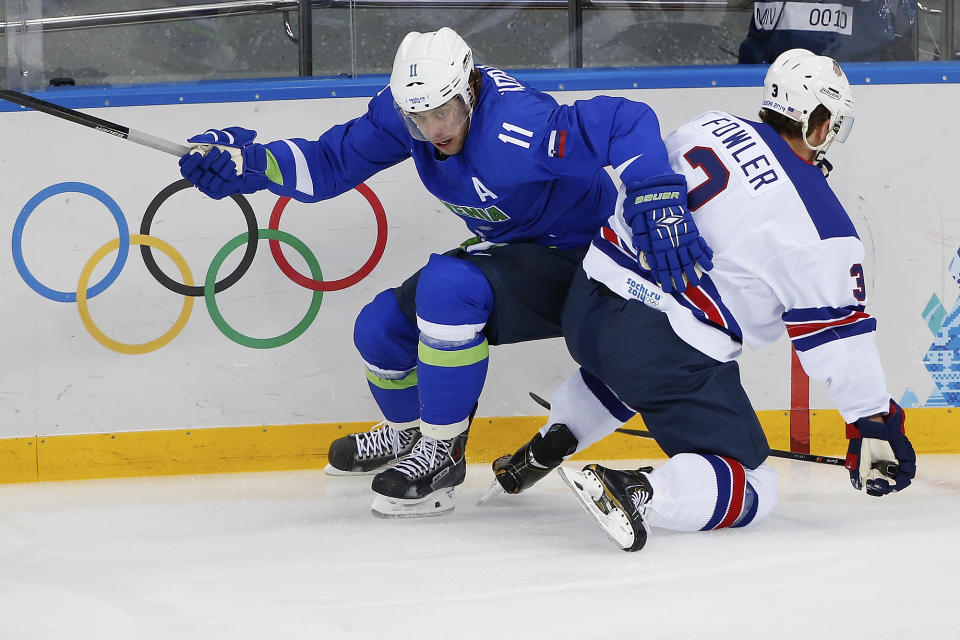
pixel 430 70
pixel 798 81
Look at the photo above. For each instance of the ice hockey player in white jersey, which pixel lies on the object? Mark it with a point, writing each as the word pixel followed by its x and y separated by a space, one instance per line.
pixel 787 258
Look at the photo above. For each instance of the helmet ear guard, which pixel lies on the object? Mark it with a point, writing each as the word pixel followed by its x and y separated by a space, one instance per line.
pixel 798 81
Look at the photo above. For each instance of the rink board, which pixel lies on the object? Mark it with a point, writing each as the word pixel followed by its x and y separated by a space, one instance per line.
pixel 77 401
pixel 305 446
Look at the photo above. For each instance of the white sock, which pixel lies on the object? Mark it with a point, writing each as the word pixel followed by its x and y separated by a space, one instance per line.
pixel 693 492
pixel 589 409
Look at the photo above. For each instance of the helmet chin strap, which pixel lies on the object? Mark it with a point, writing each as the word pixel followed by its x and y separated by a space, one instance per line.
pixel 820 151
pixel 823 164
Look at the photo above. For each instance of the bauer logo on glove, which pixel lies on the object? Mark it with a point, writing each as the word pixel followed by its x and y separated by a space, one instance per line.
pixel 656 196
pixel 664 233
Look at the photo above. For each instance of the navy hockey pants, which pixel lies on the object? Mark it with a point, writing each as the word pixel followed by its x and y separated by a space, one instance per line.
pixel 529 283
pixel 690 402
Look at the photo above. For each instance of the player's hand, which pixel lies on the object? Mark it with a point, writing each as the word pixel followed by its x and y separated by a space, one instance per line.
pixel 212 162
pixel 664 231
pixel 880 454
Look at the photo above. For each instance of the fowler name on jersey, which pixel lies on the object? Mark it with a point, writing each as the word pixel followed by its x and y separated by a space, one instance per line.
pixel 737 140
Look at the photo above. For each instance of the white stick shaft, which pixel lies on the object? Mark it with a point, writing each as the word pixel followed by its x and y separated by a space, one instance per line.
pixel 159 144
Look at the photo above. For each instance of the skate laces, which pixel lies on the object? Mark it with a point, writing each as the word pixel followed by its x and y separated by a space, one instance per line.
pixel 427 455
pixel 640 497
pixel 381 440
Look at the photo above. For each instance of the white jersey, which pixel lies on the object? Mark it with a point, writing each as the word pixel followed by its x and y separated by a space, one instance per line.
pixel 786 257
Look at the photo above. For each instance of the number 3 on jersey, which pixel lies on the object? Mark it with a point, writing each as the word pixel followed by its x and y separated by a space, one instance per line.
pixel 860 290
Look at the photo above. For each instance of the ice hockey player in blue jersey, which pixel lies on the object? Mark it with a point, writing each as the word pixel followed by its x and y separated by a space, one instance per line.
pixel 787 259
pixel 525 175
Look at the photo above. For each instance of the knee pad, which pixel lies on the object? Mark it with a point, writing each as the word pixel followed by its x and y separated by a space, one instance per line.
pixel 384 337
pixel 454 299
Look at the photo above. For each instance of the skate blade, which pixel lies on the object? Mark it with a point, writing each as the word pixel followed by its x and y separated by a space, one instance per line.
pixel 333 471
pixel 615 524
pixel 437 503
pixel 494 492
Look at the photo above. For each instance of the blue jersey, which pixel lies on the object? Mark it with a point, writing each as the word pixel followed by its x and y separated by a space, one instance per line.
pixel 530 170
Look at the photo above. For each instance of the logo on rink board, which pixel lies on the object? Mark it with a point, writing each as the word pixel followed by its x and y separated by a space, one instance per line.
pixel 185 285
pixel 942 359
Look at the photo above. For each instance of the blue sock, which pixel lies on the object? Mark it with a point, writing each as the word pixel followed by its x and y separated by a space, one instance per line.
pixel 451 378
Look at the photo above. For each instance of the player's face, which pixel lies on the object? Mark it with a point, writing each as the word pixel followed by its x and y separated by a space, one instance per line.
pixel 445 127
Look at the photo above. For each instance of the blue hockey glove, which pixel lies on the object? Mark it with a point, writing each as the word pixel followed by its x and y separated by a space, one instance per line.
pixel 880 452
pixel 211 164
pixel 664 230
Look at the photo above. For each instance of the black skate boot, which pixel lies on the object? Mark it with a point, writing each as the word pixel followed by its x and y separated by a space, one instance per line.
pixel 421 484
pixel 534 460
pixel 616 499
pixel 369 452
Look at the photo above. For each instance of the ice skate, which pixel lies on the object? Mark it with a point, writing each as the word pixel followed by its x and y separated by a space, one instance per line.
pixel 369 452
pixel 616 499
pixel 531 462
pixel 422 483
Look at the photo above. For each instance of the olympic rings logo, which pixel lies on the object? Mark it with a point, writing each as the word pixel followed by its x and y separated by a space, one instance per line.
pixel 185 286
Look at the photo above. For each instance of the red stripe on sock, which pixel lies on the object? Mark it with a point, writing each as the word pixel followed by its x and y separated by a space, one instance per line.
pixel 736 493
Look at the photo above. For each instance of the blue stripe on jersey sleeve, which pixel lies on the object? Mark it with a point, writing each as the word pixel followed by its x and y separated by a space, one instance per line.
pixel 823 207
pixel 814 314
pixel 867 325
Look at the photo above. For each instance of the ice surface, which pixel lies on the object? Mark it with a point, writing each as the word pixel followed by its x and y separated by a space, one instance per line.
pixel 298 555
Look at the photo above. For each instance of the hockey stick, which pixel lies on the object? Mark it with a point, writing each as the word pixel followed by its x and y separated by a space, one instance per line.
pixel 889 469
pixel 93 122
